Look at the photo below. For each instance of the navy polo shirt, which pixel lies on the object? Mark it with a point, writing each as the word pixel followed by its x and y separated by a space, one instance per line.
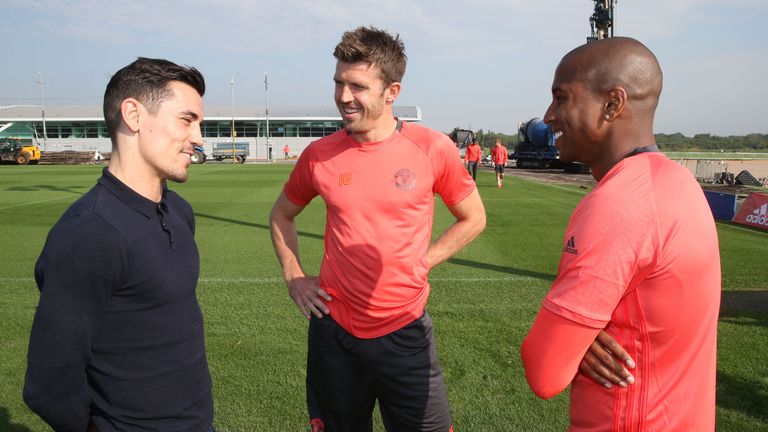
pixel 118 334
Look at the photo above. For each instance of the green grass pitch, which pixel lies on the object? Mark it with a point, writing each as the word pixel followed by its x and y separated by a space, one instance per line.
pixel 483 300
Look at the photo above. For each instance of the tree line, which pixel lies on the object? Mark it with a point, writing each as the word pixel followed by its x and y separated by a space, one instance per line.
pixel 709 142
pixel 667 142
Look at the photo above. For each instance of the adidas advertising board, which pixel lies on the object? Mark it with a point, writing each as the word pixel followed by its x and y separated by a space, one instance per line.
pixel 754 212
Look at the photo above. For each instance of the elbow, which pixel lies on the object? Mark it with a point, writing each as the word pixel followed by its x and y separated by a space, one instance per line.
pixel 478 224
pixel 544 383
pixel 68 413
pixel 32 400
pixel 543 389
pixel 58 396
pixel 482 223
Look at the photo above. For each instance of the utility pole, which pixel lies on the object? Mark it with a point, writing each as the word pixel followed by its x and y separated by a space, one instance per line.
pixel 232 87
pixel 266 111
pixel 42 108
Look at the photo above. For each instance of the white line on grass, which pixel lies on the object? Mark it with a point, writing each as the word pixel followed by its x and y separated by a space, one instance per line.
pixel 274 280
pixel 38 202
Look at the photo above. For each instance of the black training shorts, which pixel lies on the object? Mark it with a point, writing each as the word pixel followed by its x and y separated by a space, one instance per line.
pixel 346 375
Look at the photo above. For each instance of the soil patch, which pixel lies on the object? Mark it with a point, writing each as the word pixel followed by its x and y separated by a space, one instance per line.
pixel 553 176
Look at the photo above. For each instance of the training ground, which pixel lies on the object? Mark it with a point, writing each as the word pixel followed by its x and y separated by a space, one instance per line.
pixel 483 300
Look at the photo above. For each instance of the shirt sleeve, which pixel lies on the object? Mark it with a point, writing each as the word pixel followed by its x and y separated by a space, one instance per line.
pixel 75 273
pixel 452 181
pixel 552 352
pixel 609 246
pixel 300 187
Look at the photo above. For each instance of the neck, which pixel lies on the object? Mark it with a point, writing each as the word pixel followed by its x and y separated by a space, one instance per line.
pixel 614 154
pixel 381 131
pixel 140 181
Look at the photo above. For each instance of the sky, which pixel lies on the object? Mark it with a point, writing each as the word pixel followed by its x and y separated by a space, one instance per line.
pixel 476 64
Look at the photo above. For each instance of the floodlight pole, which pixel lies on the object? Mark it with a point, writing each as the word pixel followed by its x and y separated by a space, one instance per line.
pixel 266 112
pixel 42 108
pixel 232 87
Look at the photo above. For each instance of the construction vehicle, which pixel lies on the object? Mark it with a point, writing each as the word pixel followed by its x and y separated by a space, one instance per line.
pixel 12 149
pixel 199 156
pixel 535 146
pixel 536 149
pixel 601 20
pixel 462 138
pixel 536 142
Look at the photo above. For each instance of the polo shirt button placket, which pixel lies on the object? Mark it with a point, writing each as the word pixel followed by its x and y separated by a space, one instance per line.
pixel 161 210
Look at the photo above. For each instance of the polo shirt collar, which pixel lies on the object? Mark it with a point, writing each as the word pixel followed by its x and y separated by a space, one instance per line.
pixel 127 195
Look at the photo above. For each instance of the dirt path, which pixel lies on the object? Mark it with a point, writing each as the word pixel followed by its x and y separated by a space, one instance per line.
pixel 559 177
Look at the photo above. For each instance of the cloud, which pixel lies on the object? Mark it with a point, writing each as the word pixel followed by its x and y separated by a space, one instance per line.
pixel 481 62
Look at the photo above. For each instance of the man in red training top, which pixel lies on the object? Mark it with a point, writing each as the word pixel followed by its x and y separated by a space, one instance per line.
pixel 640 264
pixel 499 156
pixel 472 157
pixel 370 337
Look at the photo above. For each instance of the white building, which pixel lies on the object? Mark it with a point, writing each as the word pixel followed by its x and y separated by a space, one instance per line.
pixel 82 128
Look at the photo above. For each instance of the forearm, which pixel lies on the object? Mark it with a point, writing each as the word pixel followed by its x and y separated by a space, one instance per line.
pixel 470 222
pixel 59 395
pixel 451 241
pixel 70 311
pixel 285 242
pixel 552 351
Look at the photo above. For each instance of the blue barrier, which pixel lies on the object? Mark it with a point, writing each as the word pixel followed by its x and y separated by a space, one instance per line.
pixel 723 205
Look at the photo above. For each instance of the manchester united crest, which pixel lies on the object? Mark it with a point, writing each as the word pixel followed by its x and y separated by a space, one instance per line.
pixel 405 179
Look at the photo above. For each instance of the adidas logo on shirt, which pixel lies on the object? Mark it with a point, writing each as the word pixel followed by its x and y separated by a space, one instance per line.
pixel 759 216
pixel 570 246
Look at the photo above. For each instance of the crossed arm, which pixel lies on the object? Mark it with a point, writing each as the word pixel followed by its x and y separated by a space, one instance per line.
pixel 557 348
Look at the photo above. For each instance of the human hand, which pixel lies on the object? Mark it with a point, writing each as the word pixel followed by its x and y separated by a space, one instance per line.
pixel 308 296
pixel 605 362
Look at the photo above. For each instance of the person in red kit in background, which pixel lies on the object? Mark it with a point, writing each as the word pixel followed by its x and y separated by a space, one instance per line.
pixel 370 337
pixel 499 157
pixel 639 274
pixel 472 157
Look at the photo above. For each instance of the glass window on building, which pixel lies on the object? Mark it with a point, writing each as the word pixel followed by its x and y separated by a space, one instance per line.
pixel 19 130
pixel 91 130
pixel 103 131
pixel 51 131
pixel 38 131
pixel 247 128
pixel 305 129
pixel 291 130
pixel 276 129
pixel 78 130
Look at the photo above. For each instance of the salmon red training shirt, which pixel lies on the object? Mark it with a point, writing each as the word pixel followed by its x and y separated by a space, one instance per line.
pixel 474 153
pixel 379 199
pixel 641 259
pixel 499 155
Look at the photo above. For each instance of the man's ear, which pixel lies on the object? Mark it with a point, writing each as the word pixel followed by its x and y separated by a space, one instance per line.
pixel 615 103
pixel 130 110
pixel 393 91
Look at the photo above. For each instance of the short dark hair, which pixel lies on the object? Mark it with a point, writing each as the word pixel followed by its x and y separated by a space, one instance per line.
pixel 374 46
pixel 145 80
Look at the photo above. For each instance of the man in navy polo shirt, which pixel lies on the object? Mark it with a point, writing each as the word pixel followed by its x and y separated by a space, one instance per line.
pixel 117 342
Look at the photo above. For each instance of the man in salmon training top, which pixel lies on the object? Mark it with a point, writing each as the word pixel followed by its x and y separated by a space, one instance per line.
pixel 640 266
pixel 370 338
